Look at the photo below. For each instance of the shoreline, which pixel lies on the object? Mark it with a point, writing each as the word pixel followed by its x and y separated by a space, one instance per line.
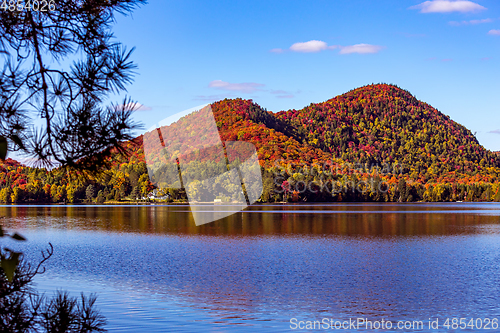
pixel 119 203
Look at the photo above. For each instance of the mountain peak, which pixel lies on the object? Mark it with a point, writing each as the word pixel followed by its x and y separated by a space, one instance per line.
pixel 384 123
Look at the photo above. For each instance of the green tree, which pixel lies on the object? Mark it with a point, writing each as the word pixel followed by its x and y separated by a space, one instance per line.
pixel 117 197
pixel 90 193
pixel 71 194
pixel 110 196
pixel 135 193
pixel 16 193
pixel 402 190
pixel 497 196
pixel 53 193
pixel 61 193
pixel 5 195
pixel 100 198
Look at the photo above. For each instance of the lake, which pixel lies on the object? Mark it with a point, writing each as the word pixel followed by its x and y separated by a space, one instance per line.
pixel 272 268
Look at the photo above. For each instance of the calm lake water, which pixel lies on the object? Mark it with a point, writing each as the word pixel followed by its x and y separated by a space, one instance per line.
pixel 155 271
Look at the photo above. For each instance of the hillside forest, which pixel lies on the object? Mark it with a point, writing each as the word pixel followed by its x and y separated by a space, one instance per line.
pixel 377 143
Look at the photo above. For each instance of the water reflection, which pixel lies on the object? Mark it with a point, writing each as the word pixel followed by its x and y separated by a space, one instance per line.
pixel 354 219
pixel 156 271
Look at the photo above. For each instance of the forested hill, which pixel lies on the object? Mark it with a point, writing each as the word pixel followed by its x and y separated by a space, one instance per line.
pixel 383 123
pixel 375 125
pixel 243 120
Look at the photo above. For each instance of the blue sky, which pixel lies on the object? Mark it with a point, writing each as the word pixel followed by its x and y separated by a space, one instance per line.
pixel 288 54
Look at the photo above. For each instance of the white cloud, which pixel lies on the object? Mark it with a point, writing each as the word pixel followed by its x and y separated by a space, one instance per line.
pixel 212 98
pixel 246 87
pixel 448 6
pixel 278 50
pixel 494 32
pixel 282 94
pixel 360 48
pixel 471 22
pixel 311 46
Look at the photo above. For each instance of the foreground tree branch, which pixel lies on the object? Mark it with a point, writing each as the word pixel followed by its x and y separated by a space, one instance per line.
pixel 37 82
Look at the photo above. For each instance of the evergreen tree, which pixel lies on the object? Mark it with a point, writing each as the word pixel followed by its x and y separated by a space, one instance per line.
pixel 100 198
pixel 69 102
pixel 90 192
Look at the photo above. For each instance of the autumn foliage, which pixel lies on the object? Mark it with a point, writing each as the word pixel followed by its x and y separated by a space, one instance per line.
pixel 364 129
